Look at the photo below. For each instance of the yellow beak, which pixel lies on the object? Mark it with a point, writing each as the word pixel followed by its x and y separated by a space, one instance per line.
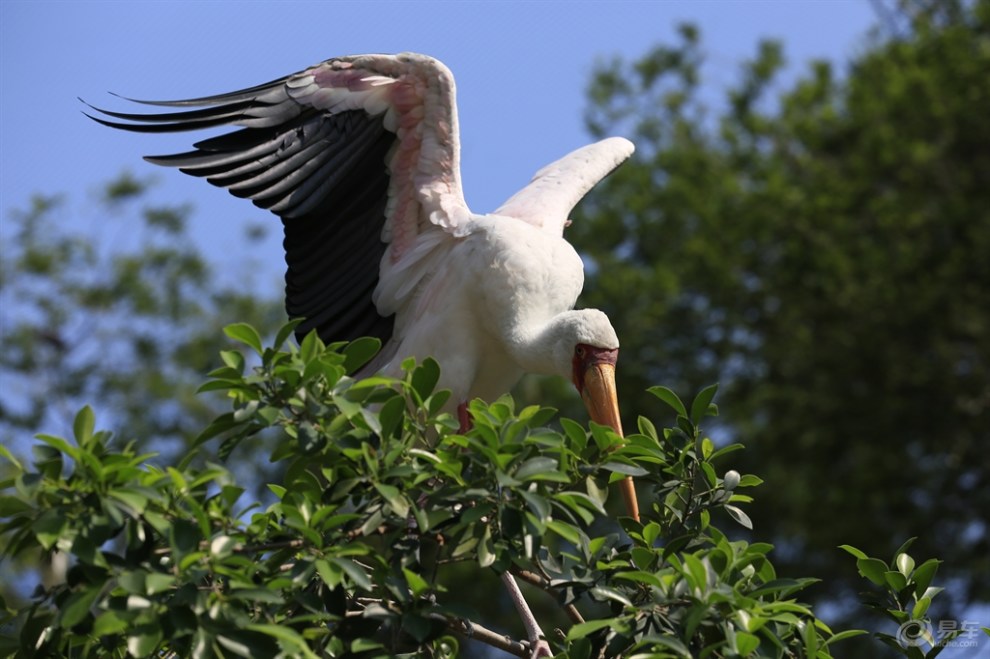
pixel 602 401
pixel 600 397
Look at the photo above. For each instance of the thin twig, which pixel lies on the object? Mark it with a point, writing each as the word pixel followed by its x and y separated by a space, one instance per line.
pixel 470 629
pixel 464 627
pixel 544 584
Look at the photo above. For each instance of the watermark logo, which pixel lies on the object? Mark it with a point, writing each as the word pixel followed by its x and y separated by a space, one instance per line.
pixel 948 634
pixel 915 634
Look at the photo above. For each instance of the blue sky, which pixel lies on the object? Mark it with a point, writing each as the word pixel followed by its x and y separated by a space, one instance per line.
pixel 521 68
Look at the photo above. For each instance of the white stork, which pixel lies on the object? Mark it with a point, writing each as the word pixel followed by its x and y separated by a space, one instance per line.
pixel 359 157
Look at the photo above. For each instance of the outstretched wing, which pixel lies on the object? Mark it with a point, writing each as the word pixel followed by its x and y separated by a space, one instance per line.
pixel 358 156
pixel 557 188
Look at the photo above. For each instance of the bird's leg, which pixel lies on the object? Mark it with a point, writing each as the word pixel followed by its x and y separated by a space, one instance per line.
pixel 538 646
pixel 463 417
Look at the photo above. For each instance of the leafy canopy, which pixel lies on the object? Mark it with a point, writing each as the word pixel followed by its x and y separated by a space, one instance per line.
pixel 820 248
pixel 384 513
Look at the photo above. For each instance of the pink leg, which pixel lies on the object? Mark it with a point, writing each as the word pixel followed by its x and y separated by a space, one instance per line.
pixel 538 646
pixel 463 417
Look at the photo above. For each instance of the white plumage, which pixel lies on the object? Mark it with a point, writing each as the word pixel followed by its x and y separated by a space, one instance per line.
pixel 359 156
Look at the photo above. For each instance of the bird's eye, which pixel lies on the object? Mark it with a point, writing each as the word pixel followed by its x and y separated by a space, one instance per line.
pixel 579 351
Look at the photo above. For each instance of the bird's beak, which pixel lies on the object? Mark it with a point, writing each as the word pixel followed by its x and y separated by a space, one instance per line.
pixel 599 395
pixel 597 387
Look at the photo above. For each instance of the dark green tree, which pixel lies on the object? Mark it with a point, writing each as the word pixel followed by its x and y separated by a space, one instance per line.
pixel 821 248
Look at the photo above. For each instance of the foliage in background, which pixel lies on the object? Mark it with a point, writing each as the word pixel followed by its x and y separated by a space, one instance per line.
pixel 820 247
pixel 127 313
pixel 380 498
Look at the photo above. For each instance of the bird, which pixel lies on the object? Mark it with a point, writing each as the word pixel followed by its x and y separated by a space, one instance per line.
pixel 359 157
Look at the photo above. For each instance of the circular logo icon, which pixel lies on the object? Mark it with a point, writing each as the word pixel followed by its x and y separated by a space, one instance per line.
pixel 914 633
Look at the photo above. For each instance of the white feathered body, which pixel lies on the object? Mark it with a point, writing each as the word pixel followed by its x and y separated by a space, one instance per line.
pixel 497 288
pixel 359 157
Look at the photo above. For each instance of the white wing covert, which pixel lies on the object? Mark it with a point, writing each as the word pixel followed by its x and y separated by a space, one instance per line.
pixel 557 188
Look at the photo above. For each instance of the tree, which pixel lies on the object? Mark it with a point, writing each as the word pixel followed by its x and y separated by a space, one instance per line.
pixel 127 313
pixel 821 251
pixel 381 499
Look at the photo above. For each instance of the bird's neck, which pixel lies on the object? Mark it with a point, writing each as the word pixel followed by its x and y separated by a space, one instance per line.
pixel 541 347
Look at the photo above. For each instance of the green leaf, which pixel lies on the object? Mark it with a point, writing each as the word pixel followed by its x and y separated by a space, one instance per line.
pixel 357 575
pixel 310 347
pixel 700 406
pixel 390 416
pixel 109 622
pixel 425 378
pixel 486 549
pixel 904 547
pixel 605 593
pixel 11 506
pixel 895 580
pixel 359 352
pixel 905 564
pixel 49 527
pixel 245 334
pixel 740 516
pixel 77 606
pixel 855 552
pixel 669 397
pixel 782 586
pixel 82 426
pixel 810 640
pixel 843 635
pixel 695 571
pixel 647 428
pixel 920 608
pixel 288 639
pixel 398 503
pixel 5 452
pixel 597 493
pixel 923 576
pixel 536 467
pixel 285 331
pixel 233 359
pixel 417 584
pixel 746 643
pixel 143 640
pixel 565 531
pixel 575 433
pixel 330 574
pixel 873 569
pixel 623 468
pixel 749 480
pixel 582 629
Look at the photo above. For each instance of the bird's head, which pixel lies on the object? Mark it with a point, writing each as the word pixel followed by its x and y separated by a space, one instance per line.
pixel 593 375
pixel 595 349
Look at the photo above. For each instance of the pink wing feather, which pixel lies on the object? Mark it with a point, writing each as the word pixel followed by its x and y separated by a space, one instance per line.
pixel 342 151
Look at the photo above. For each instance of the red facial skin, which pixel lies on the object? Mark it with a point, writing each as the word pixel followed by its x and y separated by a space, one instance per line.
pixel 586 356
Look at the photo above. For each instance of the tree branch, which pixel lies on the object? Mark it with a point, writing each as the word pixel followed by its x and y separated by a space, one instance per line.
pixel 464 627
pixel 544 584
